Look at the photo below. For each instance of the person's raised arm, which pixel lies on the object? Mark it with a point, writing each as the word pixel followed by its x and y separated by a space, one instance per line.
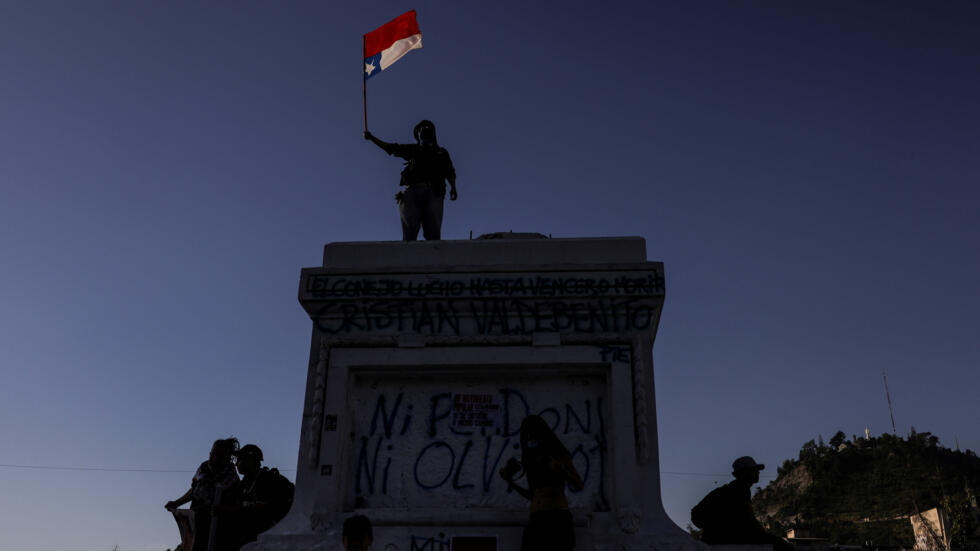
pixel 388 148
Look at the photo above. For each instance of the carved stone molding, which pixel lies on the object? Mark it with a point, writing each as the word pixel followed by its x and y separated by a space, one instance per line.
pixel 629 521
pixel 639 372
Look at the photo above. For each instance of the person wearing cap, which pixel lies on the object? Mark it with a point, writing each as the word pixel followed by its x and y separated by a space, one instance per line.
pixel 725 515
pixel 265 494
pixel 427 168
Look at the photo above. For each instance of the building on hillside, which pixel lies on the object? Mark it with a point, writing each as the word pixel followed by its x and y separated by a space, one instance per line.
pixel 801 534
pixel 931 530
pixel 803 543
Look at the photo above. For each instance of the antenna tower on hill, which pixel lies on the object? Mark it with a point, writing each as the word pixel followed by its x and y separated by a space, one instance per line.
pixel 889 397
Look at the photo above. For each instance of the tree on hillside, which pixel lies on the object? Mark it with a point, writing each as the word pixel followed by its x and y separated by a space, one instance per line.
pixel 808 450
pixel 858 493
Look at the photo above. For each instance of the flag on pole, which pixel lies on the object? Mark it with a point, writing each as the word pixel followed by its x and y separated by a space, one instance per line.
pixel 389 42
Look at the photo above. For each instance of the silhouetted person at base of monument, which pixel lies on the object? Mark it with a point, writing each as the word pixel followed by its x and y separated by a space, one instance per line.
pixel 214 483
pixel 427 168
pixel 725 515
pixel 548 467
pixel 265 495
pixel 357 534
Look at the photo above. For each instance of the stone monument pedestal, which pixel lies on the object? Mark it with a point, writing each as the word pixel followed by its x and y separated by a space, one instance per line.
pixel 425 358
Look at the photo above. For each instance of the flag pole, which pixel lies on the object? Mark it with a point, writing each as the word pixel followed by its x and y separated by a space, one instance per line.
pixel 364 80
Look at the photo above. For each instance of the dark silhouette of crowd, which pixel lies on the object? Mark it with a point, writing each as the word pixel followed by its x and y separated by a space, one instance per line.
pixel 228 511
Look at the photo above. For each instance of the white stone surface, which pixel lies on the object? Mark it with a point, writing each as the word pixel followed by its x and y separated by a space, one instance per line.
pixel 425 356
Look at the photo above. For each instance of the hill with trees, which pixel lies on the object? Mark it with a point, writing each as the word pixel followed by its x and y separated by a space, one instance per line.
pixel 863 490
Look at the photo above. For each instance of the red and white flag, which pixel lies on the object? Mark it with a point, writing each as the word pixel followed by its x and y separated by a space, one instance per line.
pixel 389 42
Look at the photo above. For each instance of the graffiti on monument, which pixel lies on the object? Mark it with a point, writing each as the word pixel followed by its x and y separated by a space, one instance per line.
pixel 441 542
pixel 483 317
pixel 413 444
pixel 329 286
pixel 429 543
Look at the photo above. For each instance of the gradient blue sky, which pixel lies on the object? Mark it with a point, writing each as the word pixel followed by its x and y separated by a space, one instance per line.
pixel 807 171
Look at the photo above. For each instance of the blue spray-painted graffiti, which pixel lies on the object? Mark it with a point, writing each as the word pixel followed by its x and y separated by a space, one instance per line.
pixel 430 543
pixel 433 455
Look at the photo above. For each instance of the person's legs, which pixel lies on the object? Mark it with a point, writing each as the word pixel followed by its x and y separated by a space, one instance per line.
pixel 239 528
pixel 228 537
pixel 529 537
pixel 202 528
pixel 410 209
pixel 560 530
pixel 565 530
pixel 549 531
pixel 432 216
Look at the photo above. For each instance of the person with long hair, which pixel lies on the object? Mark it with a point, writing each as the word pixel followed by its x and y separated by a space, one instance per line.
pixel 548 467
pixel 215 483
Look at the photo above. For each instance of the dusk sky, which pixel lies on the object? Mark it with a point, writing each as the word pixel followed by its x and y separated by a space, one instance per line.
pixel 807 172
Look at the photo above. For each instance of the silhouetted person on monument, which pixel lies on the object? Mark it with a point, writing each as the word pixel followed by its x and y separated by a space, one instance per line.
pixel 265 495
pixel 427 168
pixel 725 515
pixel 357 534
pixel 214 484
pixel 548 467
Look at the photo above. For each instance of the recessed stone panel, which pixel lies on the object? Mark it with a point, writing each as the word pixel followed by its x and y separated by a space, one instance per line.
pixel 439 437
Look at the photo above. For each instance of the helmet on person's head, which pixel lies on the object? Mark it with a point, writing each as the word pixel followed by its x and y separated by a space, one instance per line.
pixel 250 450
pixel 424 124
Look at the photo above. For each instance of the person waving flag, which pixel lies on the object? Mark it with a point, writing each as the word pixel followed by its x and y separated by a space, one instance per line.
pixel 387 44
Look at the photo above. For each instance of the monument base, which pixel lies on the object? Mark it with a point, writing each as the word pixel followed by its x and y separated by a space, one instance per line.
pixel 426 357
pixel 597 531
